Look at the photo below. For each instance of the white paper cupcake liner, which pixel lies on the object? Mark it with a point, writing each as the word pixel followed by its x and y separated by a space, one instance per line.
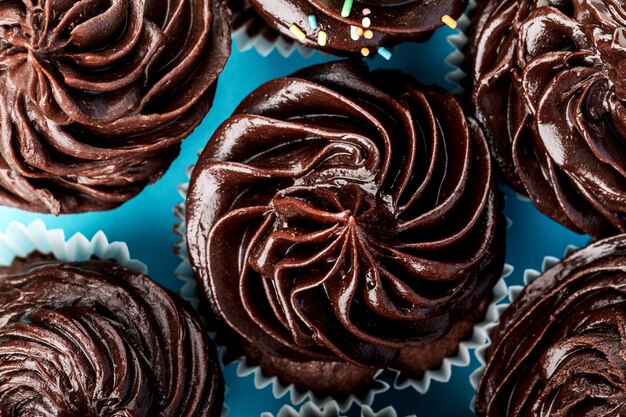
pixel 310 410
pixel 297 397
pixel 513 292
pixel 19 241
pixel 455 59
pixel 184 273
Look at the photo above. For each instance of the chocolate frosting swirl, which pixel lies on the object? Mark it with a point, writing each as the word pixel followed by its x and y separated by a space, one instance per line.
pixel 341 215
pixel 549 91
pixel 392 21
pixel 559 348
pixel 96 339
pixel 96 96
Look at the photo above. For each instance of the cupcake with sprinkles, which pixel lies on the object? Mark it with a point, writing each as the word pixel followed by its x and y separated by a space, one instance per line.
pixel 363 27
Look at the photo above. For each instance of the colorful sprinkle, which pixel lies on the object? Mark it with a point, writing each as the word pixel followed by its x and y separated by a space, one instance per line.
pixel 449 21
pixel 312 21
pixel 368 34
pixel 347 7
pixel 365 51
pixel 366 22
pixel 300 35
pixel 384 52
pixel 322 38
pixel 366 11
pixel 354 34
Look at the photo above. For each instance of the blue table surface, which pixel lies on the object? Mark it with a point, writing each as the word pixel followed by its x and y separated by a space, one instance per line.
pixel 146 222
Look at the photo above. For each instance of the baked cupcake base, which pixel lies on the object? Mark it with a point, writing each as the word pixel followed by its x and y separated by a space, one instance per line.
pixel 71 294
pixel 471 333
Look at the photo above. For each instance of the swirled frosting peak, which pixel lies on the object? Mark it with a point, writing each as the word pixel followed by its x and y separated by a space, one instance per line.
pixel 549 91
pixel 96 96
pixel 96 339
pixel 345 215
pixel 559 348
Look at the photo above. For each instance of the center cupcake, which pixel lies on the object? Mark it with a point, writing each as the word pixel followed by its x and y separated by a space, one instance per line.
pixel 343 221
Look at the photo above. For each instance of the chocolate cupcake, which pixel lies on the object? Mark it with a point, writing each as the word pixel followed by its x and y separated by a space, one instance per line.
pixel 347 26
pixel 95 97
pixel 95 338
pixel 558 350
pixel 343 221
pixel 549 92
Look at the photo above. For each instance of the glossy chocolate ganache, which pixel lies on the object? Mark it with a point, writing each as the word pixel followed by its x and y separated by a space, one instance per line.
pixel 559 348
pixel 346 216
pixel 96 339
pixel 549 90
pixel 96 96
pixel 392 21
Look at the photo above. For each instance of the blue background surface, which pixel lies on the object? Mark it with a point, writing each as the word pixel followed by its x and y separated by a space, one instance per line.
pixel 146 223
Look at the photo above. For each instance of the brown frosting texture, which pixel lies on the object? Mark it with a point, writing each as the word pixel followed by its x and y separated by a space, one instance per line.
pixel 96 96
pixel 392 21
pixel 96 339
pixel 559 348
pixel 345 215
pixel 245 17
pixel 549 91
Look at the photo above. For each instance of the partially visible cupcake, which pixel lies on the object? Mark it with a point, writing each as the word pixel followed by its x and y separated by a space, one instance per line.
pixel 559 347
pixel 95 338
pixel 343 221
pixel 96 97
pixel 355 26
pixel 549 91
